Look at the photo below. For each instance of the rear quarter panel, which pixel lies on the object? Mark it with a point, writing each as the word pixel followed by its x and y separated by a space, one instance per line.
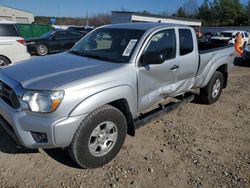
pixel 210 62
pixel 13 50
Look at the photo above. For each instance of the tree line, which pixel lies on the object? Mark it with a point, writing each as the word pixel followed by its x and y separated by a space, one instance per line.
pixel 93 20
pixel 210 12
pixel 217 12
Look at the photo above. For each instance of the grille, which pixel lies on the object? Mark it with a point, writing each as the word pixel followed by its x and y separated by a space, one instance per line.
pixel 9 96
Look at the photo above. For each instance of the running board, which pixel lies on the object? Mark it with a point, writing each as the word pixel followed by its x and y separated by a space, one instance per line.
pixel 162 109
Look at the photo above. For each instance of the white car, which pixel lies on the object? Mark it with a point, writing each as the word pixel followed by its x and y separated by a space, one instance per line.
pixel 12 46
pixel 228 37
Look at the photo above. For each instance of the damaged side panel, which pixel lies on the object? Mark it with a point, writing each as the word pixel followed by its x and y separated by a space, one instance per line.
pixel 153 90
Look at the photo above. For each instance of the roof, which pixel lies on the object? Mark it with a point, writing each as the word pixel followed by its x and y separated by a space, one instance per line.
pixel 233 31
pixel 142 26
pixel 16 9
pixel 157 16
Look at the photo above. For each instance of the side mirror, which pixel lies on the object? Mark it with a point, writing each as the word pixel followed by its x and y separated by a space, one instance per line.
pixel 152 58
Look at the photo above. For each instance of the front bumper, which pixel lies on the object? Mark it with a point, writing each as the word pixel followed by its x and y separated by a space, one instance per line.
pixel 20 125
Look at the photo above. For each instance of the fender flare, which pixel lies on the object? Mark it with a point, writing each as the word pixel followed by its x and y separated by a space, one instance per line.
pixel 107 96
pixel 220 62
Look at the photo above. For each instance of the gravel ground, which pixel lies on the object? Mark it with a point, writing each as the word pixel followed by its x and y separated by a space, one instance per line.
pixel 194 146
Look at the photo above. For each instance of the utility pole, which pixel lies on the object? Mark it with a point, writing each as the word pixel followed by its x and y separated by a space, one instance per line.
pixel 87 18
pixel 58 10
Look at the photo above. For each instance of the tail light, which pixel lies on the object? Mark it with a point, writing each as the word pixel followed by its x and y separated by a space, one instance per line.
pixel 22 41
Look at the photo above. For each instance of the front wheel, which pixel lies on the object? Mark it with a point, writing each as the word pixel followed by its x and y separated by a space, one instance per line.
pixel 211 93
pixel 99 137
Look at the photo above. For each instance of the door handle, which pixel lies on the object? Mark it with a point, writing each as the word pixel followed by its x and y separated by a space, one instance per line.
pixel 174 67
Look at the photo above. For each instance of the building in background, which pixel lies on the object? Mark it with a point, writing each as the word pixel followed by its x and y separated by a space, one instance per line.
pixel 128 17
pixel 16 15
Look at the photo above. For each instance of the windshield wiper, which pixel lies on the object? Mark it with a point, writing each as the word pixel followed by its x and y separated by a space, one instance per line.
pixel 75 52
pixel 97 57
pixel 94 56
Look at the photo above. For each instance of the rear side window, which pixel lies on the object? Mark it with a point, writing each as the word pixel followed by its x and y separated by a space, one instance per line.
pixel 186 41
pixel 8 30
pixel 75 35
pixel 61 35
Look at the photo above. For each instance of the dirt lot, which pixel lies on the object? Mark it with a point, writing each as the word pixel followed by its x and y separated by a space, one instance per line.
pixel 194 146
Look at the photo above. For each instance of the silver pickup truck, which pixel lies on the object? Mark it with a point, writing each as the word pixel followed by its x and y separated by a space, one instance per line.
pixel 117 78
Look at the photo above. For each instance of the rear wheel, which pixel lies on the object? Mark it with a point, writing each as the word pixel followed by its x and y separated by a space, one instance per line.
pixel 41 49
pixel 4 61
pixel 99 137
pixel 211 93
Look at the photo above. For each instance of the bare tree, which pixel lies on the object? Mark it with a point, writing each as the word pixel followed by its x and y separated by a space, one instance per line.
pixel 191 8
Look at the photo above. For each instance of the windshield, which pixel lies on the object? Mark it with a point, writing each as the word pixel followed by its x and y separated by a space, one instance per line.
pixel 109 44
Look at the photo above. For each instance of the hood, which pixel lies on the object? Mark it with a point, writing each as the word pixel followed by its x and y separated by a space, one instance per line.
pixel 52 71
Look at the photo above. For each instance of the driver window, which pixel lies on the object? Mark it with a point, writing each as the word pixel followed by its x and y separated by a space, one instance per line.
pixel 163 42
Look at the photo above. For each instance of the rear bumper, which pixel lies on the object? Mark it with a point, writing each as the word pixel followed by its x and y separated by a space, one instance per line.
pixel 20 57
pixel 31 49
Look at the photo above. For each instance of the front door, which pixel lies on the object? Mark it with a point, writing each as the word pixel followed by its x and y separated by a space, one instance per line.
pixel 157 81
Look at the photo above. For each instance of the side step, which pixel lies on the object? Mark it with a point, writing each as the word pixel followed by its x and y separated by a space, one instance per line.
pixel 162 109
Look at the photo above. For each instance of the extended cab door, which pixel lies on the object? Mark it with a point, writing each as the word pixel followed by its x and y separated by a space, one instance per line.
pixel 188 58
pixel 157 81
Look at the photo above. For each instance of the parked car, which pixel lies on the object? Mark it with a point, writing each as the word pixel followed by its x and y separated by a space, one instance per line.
pixel 228 37
pixel 112 82
pixel 12 46
pixel 81 29
pixel 52 42
pixel 209 35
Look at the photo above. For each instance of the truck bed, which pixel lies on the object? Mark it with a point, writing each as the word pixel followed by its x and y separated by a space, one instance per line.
pixel 209 55
pixel 207 47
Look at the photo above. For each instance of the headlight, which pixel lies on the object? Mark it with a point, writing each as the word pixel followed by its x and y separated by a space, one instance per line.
pixel 41 101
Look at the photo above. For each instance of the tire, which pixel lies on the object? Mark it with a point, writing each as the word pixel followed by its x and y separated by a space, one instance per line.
pixel 211 93
pixel 4 61
pixel 104 127
pixel 41 50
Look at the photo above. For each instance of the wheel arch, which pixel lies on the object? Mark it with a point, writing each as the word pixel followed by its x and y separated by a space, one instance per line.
pixel 224 70
pixel 123 106
pixel 220 66
pixel 6 58
pixel 121 97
